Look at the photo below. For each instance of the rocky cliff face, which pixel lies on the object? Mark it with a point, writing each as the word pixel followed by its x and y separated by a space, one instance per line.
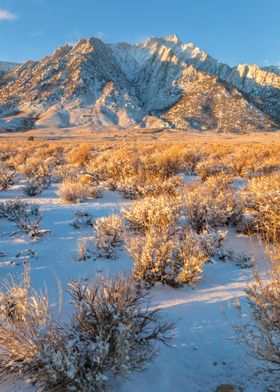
pixel 159 83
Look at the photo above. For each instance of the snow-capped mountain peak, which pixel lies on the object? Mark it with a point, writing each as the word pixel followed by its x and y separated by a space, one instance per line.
pixel 161 82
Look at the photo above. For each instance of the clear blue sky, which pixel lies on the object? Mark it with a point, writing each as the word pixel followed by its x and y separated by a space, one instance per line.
pixel 240 31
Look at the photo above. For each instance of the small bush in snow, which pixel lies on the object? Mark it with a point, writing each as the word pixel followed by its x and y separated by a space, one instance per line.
pixel 80 155
pixel 72 191
pixel 261 198
pixel 11 210
pixel 210 204
pixel 243 260
pixel 94 191
pixel 83 249
pixel 7 176
pixel 111 333
pixel 171 259
pixel 153 258
pixel 30 222
pixel 109 234
pixel 27 217
pixel 118 329
pixel 139 185
pixel 35 185
pixel 82 218
pixel 24 313
pixel 262 334
pixel 194 250
pixel 157 212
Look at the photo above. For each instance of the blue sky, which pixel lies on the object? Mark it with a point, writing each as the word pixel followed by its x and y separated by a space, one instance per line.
pixel 240 31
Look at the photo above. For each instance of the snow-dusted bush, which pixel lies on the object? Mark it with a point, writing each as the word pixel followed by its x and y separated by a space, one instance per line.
pixel 79 155
pixel 84 251
pixel 82 218
pixel 192 252
pixel 111 333
pixel 27 217
pixel 34 166
pixel 262 334
pixel 209 168
pixel 66 172
pixel 211 204
pixel 72 191
pixel 12 209
pixel 243 260
pixel 7 176
pixel 261 199
pixel 153 255
pixel 94 191
pixel 114 321
pixel 138 185
pixel 157 212
pixel 36 185
pixel 24 313
pixel 171 259
pixel 207 242
pixel 109 235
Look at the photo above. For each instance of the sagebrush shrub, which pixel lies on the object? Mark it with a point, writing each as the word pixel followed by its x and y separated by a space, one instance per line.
pixel 157 212
pixel 80 155
pixel 137 186
pixel 261 198
pixel 72 191
pixel 24 313
pixel 7 176
pixel 27 217
pixel 211 204
pixel 109 235
pixel 82 218
pixel 36 185
pixel 152 254
pixel 172 259
pixel 12 209
pixel 111 333
pixel 84 250
pixel 262 334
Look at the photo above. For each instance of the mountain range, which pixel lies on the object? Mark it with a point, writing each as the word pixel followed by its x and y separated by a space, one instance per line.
pixel 156 84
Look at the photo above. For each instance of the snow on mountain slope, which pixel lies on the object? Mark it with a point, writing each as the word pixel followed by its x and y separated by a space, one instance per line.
pixel 126 85
pixel 6 66
pixel 84 81
pixel 261 85
pixel 272 68
pixel 223 108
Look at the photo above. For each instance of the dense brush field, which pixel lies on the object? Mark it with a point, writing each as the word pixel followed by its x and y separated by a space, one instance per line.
pixel 118 257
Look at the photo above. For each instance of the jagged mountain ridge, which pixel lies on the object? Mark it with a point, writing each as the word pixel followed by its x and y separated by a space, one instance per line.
pixel 159 83
pixel 7 66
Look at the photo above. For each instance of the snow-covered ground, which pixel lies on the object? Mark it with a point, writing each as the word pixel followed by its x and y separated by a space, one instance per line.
pixel 204 352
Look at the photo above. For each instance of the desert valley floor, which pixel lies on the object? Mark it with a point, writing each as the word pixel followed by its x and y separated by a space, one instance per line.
pixel 204 352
